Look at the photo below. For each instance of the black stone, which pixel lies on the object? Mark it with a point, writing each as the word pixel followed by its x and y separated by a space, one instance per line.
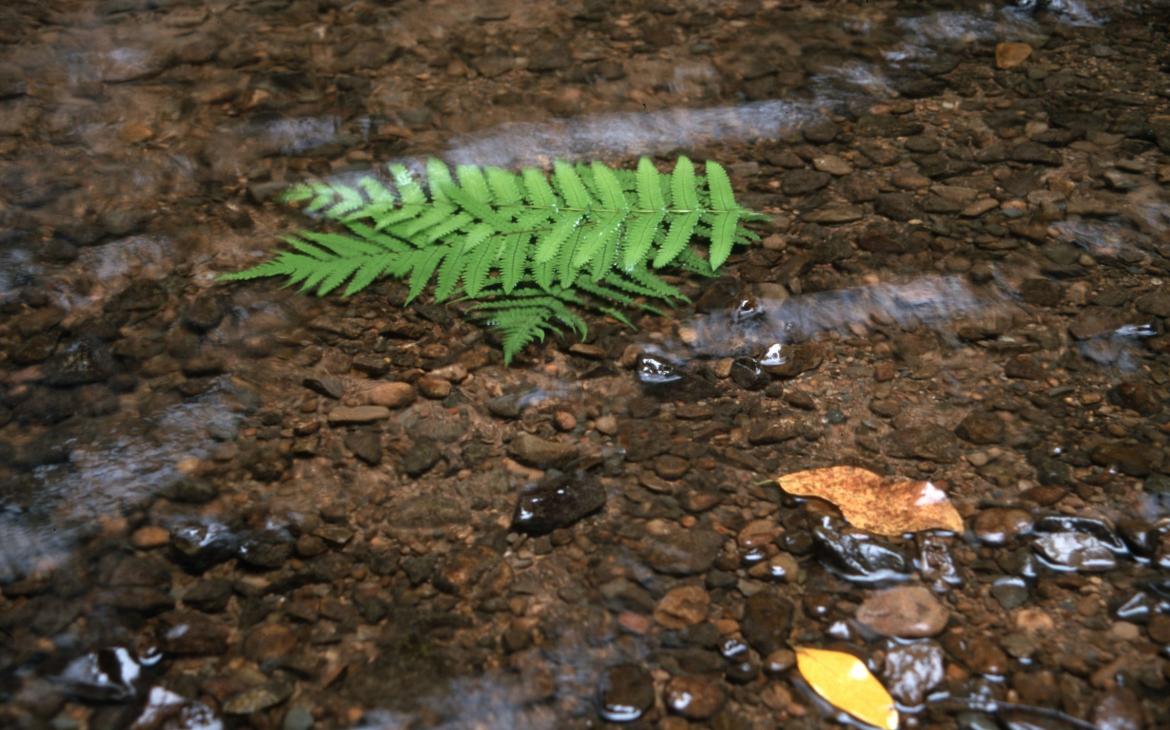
pixel 557 503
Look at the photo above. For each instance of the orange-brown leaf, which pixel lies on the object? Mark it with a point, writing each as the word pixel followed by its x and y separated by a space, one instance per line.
pixel 875 503
pixel 845 683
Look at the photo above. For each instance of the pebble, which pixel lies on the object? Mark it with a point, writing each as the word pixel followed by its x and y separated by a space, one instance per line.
pixel 541 453
pixel 681 607
pixel 695 698
pixel 904 611
pixel 627 692
pixel 913 670
pixel 981 428
pixel 344 415
pixel 1001 525
pixel 434 387
pixel 391 395
pixel 545 507
pixel 767 619
pixel 679 551
pixel 150 536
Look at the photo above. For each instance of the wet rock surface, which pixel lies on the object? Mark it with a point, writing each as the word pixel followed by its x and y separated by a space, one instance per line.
pixel 232 505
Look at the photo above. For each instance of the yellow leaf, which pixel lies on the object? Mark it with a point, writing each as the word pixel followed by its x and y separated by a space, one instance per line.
pixel 846 684
pixel 875 503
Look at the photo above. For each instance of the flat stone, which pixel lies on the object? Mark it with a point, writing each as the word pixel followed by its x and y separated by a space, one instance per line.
pixel 345 415
pixel 546 507
pixel 392 395
pixel 981 428
pixel 909 612
pixel 680 551
pixel 541 453
pixel 681 607
pixel 1010 55
pixel 695 698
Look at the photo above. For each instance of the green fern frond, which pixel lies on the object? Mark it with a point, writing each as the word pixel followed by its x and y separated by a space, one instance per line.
pixel 530 249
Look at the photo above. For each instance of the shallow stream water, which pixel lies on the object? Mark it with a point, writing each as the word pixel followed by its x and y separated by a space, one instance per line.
pixel 235 505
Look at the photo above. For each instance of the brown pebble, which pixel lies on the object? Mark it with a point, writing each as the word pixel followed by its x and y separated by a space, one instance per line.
pixel 145 538
pixel 434 387
pixel 1159 628
pixel 671 467
pixel 695 698
pixel 681 607
pixel 564 421
pixel 606 425
pixel 392 395
pixel 905 611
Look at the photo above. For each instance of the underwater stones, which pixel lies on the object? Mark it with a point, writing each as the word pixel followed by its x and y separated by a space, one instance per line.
pixel 365 445
pixel 541 453
pixel 199 546
pixel 205 312
pixel 354 415
pixel 908 612
pixel 627 692
pixel 676 550
pixel 419 459
pixel 767 620
pixel 192 634
pixel 556 503
pixel 1001 525
pixel 695 697
pixel 981 428
pixel 930 442
pixel 913 670
pixel 682 607
pixel 391 395
pixel 1075 551
pixel 802 182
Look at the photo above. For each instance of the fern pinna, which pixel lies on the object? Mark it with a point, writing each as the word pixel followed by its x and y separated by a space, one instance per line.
pixel 528 251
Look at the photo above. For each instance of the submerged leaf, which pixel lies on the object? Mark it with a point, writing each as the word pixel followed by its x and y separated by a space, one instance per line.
pixel 844 682
pixel 875 503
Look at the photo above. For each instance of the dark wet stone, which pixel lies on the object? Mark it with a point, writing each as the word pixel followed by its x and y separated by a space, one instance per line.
pixel 423 455
pixel 199 546
pixel 1119 709
pixel 930 442
pixel 1010 592
pixel 107 675
pixel 747 374
pixel 505 406
pixel 1042 292
pixel 857 556
pixel 542 453
pixel 266 551
pixel 1049 469
pixel 909 612
pixel 1024 367
pixel 326 385
pixel 887 126
pixel 1036 153
pixel 981 428
pixel 653 371
pixel 205 312
pixel 1139 535
pixel 419 569
pixel 767 620
pixel 47 407
pixel 1098 529
pixel 203 364
pixel 695 698
pixel 681 551
pixel 557 503
pixel 1128 458
pixel 802 182
pixel 792 360
pixel 913 670
pixel 12 81
pixel 191 490
pixel 365 445
pixel 1136 396
pixel 371 364
pixel 773 431
pixel 1000 525
pixel 144 601
pixel 257 699
pixel 897 206
pixel 209 595
pixel 626 692
pixel 1075 551
pixel 79 362
pixel 821 131
pixel 268 641
pixel 192 634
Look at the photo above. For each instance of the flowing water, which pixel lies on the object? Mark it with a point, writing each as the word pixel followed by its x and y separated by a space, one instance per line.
pixel 961 279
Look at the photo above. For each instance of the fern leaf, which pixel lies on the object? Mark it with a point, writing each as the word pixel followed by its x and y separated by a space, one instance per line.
pixel 553 240
pixel 449 272
pixel 476 207
pixel 609 189
pixel 604 261
pixel 640 237
pixel 683 193
pixel 565 268
pixel 722 236
pixel 681 227
pixel 424 268
pixel 473 183
pixel 543 273
pixel 719 188
pixel 595 237
pixel 408 188
pixel 341 244
pixel 571 187
pixel 438 179
pixel 503 186
pixel 371 268
pixel 515 257
pixel 537 191
pixel 480 265
pixel 649 186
